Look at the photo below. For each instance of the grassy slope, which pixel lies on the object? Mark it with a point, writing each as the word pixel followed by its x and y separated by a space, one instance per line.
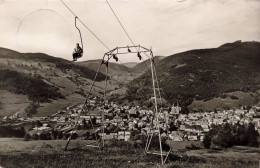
pixel 11 103
pixel 204 74
pixel 34 87
pixel 119 75
pixel 17 153
pixel 56 105
pixel 131 64
pixel 67 77
pixel 244 98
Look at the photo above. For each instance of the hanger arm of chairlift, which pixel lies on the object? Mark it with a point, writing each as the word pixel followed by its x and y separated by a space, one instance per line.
pixel 79 33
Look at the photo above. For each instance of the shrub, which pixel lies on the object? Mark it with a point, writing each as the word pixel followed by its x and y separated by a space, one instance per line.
pixel 45 136
pixel 35 137
pixel 155 145
pixel 207 141
pixel 74 136
pixel 38 123
pixel 60 135
pixel 192 147
pixel 31 109
pixel 54 134
pixel 27 137
pixel 93 136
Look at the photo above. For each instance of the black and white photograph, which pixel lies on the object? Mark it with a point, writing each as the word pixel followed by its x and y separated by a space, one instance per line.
pixel 129 83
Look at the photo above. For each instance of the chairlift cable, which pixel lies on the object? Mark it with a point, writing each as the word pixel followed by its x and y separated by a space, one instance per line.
pixel 121 24
pixel 152 69
pixel 124 30
pixel 85 25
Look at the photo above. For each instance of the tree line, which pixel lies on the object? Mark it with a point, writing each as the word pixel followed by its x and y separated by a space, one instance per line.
pixel 34 87
pixel 8 131
pixel 229 135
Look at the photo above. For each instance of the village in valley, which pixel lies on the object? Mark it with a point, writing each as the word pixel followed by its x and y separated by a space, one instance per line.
pixel 129 84
pixel 125 122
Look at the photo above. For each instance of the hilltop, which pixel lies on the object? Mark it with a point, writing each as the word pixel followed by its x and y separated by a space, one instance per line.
pixel 204 74
pixel 114 68
pixel 131 64
pixel 142 67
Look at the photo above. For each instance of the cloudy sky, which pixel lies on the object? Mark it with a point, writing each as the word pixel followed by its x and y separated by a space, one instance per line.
pixel 168 26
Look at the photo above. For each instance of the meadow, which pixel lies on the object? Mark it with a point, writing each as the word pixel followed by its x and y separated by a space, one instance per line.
pixel 15 152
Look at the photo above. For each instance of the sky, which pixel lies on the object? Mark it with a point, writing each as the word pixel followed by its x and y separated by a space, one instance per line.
pixel 165 26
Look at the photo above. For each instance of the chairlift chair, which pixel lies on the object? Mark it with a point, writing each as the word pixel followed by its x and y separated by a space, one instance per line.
pixel 79 55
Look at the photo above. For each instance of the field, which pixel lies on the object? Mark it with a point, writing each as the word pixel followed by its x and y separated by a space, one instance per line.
pixel 19 153
pixel 60 104
pixel 11 103
pixel 245 98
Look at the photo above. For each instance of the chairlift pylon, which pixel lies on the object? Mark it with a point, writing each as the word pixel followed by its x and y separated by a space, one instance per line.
pixel 156 91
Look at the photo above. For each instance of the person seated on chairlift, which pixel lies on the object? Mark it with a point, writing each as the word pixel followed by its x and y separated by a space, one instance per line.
pixel 77 53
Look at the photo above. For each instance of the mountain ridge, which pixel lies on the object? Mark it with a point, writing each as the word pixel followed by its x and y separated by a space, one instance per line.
pixel 186 77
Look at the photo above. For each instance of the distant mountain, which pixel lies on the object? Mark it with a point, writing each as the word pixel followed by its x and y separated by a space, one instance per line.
pixel 114 68
pixel 119 69
pixel 203 74
pixel 131 64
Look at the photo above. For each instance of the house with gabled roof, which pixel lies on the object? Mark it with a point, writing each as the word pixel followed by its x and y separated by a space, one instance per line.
pixel 176 136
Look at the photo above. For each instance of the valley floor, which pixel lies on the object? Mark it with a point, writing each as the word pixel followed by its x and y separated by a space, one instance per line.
pixel 18 153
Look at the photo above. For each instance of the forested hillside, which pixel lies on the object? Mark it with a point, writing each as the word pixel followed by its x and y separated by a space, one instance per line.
pixel 203 74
